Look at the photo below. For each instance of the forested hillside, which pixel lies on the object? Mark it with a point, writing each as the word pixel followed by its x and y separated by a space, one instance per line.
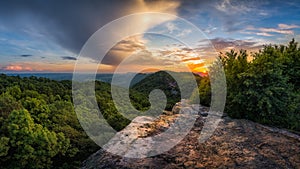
pixel 165 82
pixel 39 128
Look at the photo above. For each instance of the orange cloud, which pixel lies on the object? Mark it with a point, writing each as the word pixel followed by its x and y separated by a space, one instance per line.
pixel 39 67
pixel 17 68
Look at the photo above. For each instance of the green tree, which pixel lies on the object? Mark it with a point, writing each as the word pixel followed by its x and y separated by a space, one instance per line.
pixel 265 88
pixel 32 145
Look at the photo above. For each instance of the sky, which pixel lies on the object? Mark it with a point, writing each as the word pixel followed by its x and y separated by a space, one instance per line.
pixel 48 35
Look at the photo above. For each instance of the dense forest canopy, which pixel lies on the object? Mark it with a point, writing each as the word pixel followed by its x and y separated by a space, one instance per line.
pixel 267 88
pixel 263 87
pixel 39 128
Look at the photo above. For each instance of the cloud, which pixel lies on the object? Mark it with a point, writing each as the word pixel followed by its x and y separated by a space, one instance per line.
pixel 264 34
pixel 184 56
pixel 233 7
pixel 281 29
pixel 130 44
pixel 210 29
pixel 37 67
pixel 144 57
pixel 191 59
pixel 132 51
pixel 26 55
pixel 231 15
pixel 221 44
pixel 285 26
pixel 68 58
pixel 171 27
pixel 17 68
pixel 124 49
pixel 274 30
pixel 184 32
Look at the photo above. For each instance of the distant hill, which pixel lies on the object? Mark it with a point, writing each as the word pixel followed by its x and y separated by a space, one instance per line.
pixel 104 77
pixel 165 82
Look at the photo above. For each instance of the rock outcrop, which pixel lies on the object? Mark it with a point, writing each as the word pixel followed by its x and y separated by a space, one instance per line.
pixel 234 144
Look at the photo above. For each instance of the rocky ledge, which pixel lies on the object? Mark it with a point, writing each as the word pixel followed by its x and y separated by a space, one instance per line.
pixel 234 144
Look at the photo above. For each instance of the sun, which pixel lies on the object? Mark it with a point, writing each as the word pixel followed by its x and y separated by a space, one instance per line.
pixel 198 68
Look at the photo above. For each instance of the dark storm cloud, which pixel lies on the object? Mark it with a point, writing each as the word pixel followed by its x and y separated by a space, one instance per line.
pixel 69 23
pixel 25 55
pixel 68 58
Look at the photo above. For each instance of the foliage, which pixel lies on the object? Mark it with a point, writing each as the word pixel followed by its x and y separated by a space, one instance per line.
pixel 39 127
pixel 264 86
pixel 204 92
pixel 31 144
pixel 165 82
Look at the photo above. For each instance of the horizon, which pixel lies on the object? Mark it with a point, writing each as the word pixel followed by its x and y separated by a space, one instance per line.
pixel 104 73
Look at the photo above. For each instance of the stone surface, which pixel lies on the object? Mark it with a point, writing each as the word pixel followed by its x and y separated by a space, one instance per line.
pixel 234 144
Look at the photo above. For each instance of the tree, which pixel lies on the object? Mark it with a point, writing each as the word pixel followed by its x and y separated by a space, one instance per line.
pixel 31 145
pixel 265 88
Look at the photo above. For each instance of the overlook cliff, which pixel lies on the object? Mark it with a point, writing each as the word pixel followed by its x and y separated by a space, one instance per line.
pixel 236 143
